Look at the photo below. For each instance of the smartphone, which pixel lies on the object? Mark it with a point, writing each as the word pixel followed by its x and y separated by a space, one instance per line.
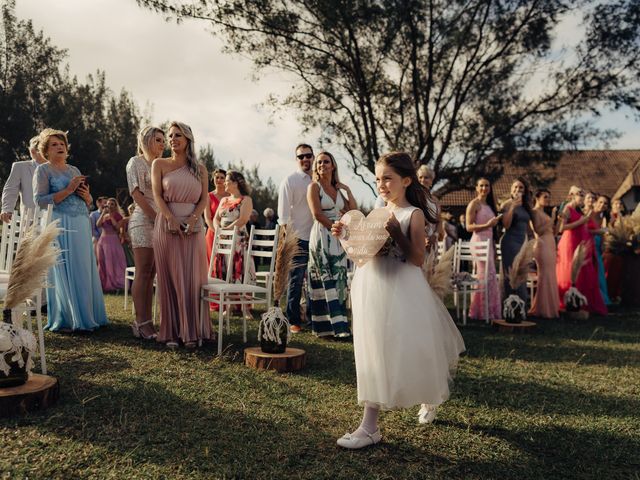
pixel 183 227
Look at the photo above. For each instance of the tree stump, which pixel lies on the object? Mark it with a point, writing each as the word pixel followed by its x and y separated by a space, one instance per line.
pixel 522 327
pixel 292 360
pixel 38 393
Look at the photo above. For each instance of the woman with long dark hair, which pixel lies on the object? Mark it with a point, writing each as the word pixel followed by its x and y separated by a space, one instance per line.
pixel 545 301
pixel 516 217
pixel 481 218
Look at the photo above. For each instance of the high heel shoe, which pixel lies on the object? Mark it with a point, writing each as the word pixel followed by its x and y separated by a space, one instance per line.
pixel 137 332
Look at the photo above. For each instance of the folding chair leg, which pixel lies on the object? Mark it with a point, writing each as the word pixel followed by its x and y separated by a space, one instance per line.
pixel 228 315
pixel 486 303
pixel 220 323
pixel 43 357
pixel 126 291
pixel 245 312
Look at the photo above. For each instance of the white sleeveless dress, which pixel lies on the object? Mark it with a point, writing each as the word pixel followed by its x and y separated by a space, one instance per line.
pixel 405 342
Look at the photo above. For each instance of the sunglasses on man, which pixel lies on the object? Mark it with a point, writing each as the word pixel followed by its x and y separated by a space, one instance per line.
pixel 305 155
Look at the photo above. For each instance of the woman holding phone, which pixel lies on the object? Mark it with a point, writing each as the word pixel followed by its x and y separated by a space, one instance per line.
pixel 481 218
pixel 516 217
pixel 75 301
pixel 180 192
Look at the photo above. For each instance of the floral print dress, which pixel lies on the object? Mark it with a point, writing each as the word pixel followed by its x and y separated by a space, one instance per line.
pixel 229 210
pixel 327 280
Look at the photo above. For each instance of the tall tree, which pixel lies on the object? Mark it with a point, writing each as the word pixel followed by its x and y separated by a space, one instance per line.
pixel 450 81
pixel 37 91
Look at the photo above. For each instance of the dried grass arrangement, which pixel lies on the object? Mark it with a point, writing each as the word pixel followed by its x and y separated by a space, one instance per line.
pixel 273 331
pixel 514 308
pixel 438 273
pixel 574 300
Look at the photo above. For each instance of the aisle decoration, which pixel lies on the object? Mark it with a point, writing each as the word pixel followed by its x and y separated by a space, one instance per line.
pixel 574 300
pixel 35 255
pixel 273 331
pixel 514 308
pixel 438 272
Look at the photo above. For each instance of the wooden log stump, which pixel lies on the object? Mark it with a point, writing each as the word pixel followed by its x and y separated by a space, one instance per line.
pixel 292 360
pixel 522 327
pixel 38 393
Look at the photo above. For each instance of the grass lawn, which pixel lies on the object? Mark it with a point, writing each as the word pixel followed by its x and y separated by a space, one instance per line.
pixel 561 403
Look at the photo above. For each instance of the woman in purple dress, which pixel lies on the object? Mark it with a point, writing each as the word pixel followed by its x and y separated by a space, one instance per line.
pixel 111 260
pixel 180 192
pixel 481 218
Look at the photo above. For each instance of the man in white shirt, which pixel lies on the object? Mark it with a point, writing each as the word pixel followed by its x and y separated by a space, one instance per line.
pixel 20 182
pixel 294 215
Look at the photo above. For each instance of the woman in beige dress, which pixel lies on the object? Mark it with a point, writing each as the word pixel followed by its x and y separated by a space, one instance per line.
pixel 140 228
pixel 545 302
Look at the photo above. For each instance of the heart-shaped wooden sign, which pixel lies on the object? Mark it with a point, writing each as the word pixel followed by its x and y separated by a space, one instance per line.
pixel 363 237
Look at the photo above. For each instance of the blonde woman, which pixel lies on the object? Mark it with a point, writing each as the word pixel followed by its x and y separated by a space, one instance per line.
pixel 75 300
pixel 141 223
pixel 327 260
pixel 180 193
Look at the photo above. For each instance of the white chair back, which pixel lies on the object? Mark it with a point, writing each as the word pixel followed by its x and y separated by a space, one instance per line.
pixel 224 243
pixel 472 252
pixel 9 241
pixel 262 244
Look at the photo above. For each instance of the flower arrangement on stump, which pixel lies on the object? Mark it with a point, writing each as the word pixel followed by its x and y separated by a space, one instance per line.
pixel 35 255
pixel 574 300
pixel 514 308
pixel 273 331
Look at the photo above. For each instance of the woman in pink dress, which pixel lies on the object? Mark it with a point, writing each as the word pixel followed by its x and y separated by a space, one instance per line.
pixel 573 226
pixel 180 192
pixel 111 260
pixel 545 301
pixel 481 218
pixel 215 196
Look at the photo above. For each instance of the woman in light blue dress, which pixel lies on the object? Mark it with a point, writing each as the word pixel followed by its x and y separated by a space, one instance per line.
pixel 75 300
pixel 595 226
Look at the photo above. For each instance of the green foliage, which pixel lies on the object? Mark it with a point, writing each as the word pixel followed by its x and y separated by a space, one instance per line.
pixel 264 193
pixel 450 82
pixel 558 404
pixel 37 91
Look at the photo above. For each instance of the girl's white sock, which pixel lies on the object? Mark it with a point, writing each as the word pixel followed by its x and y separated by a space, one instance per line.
pixel 369 424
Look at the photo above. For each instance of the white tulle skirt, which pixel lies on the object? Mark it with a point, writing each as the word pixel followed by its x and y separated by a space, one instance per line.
pixel 406 344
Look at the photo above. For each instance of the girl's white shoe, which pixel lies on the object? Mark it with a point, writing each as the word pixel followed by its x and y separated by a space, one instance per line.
pixel 353 442
pixel 427 413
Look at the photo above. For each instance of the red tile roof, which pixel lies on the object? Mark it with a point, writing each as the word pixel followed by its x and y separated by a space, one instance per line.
pixel 602 171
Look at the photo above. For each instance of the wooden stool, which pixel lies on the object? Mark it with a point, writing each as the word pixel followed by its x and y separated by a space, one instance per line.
pixel 522 327
pixel 38 393
pixel 292 360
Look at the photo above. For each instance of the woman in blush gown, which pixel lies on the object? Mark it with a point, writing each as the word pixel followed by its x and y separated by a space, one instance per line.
pixel 573 226
pixel 180 192
pixel 219 175
pixel 111 259
pixel 481 218
pixel 545 301
pixel 75 300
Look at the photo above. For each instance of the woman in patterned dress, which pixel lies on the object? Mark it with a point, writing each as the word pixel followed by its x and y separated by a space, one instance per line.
pixel 218 176
pixel 140 228
pixel 327 260
pixel 234 211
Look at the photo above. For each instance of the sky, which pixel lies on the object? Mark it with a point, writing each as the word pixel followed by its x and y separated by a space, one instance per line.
pixel 178 72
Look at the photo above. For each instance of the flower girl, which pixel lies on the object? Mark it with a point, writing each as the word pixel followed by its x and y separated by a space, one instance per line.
pixel 405 343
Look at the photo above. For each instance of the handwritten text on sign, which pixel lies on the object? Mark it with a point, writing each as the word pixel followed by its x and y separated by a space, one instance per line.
pixel 363 237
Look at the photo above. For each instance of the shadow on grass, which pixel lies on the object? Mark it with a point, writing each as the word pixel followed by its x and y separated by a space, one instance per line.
pixel 544 452
pixel 534 398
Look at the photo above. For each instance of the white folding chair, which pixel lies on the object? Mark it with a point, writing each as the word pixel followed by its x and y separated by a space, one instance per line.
pixel 38 218
pixel 245 293
pixel 475 253
pixel 9 244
